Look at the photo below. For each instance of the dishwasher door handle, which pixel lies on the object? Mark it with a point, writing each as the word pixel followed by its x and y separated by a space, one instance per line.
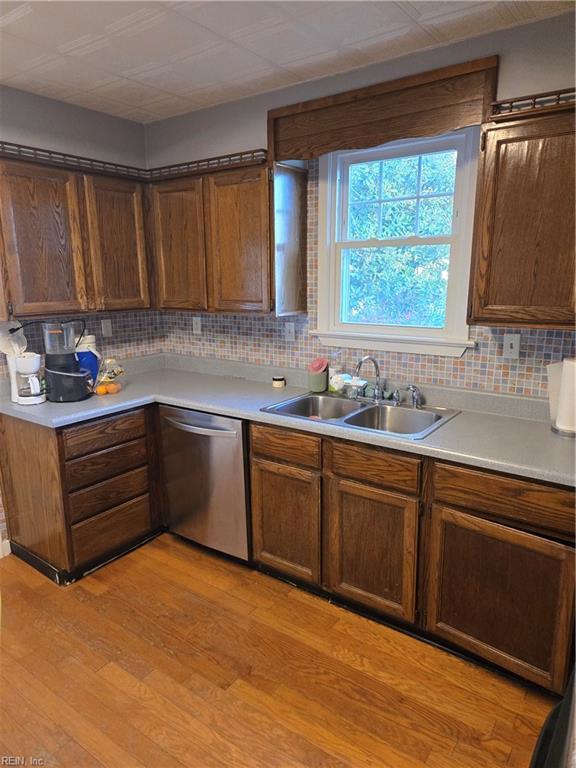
pixel 201 430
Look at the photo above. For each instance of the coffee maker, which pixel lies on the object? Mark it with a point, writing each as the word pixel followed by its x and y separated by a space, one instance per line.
pixel 28 379
pixel 66 382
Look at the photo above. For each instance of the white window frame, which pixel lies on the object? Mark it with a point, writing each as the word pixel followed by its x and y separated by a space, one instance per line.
pixel 453 339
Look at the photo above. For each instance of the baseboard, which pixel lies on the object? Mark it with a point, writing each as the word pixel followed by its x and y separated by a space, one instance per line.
pixel 4 548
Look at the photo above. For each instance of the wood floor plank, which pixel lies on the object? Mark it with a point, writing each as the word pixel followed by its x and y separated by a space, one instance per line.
pixel 334 733
pixel 172 656
pixel 245 724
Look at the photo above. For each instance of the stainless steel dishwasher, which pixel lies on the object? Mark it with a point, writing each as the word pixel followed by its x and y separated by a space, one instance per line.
pixel 203 457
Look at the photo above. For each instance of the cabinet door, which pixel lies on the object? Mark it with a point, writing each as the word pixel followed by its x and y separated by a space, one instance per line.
pixel 371 547
pixel 178 233
pixel 523 271
pixel 40 223
pixel 286 519
pixel 502 594
pixel 237 240
pixel 116 243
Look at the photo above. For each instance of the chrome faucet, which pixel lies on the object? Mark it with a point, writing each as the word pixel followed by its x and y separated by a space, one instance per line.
pixel 396 397
pixel 378 387
pixel 416 395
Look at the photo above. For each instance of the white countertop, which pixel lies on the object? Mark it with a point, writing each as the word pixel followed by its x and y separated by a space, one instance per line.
pixel 501 443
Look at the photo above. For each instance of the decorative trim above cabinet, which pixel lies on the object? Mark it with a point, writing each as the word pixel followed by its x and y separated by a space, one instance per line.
pixel 536 104
pixel 50 157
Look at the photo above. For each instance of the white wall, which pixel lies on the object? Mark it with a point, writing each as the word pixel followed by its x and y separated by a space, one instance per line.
pixel 533 58
pixel 39 122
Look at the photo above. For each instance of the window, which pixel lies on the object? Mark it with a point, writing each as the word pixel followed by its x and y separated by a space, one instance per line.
pixel 395 231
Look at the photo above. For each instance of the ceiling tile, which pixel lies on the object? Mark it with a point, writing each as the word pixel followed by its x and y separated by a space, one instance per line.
pixel 285 42
pixel 128 92
pixel 17 56
pixel 165 37
pixel 398 43
pixel 232 19
pixel 348 22
pixel 57 23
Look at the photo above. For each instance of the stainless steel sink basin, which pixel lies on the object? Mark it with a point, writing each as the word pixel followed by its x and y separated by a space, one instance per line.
pixel 319 407
pixel 394 421
pixel 414 423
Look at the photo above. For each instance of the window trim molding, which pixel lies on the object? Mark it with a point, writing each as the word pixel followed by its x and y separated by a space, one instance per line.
pixel 453 339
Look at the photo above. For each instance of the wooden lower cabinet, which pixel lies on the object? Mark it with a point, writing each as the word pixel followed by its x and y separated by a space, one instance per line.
pixel 286 519
pixel 371 547
pixel 77 496
pixel 502 594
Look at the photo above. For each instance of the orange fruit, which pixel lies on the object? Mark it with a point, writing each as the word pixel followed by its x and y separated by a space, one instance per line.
pixel 113 388
pixel 101 389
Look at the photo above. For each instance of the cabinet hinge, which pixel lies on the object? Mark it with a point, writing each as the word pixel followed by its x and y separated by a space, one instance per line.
pixel 10 310
pixel 270 174
pixel 483 141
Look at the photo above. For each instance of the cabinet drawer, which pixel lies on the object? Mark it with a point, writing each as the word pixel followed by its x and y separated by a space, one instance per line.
pixel 283 444
pixel 104 433
pixel 93 538
pixel 109 493
pixel 105 464
pixel 540 506
pixel 374 465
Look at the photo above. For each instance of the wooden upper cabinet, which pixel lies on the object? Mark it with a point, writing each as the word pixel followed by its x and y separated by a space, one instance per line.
pixel 42 242
pixel 523 261
pixel 177 225
pixel 115 234
pixel 237 240
pixel 503 594
pixel 371 547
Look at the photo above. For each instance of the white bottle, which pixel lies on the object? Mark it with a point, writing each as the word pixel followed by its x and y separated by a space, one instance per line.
pixel 335 371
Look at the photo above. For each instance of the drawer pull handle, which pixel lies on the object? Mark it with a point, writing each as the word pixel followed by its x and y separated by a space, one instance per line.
pixel 201 430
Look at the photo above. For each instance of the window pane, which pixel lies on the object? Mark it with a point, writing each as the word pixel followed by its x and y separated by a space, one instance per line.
pixel 364 182
pixel 398 286
pixel 398 219
pixel 362 221
pixel 438 173
pixel 435 216
pixel 400 177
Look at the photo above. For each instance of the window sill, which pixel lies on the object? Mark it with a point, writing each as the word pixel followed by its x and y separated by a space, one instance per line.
pixel 417 345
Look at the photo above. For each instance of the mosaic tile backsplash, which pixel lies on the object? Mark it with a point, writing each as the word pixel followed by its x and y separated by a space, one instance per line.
pixel 260 339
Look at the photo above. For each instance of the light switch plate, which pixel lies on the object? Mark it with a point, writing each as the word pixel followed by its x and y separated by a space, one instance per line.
pixel 106 328
pixel 511 346
pixel 196 326
pixel 290 332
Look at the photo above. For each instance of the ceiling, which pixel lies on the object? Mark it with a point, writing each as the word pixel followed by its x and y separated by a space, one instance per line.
pixel 146 61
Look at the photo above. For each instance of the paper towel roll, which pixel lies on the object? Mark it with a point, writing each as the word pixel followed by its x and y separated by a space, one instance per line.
pixel 554 372
pixel 566 413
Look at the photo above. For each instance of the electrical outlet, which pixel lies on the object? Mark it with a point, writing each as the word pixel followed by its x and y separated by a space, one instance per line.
pixel 290 332
pixel 511 346
pixel 107 328
pixel 197 326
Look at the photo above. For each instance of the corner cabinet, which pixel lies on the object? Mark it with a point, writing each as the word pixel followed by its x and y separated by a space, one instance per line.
pixel 77 497
pixel 233 241
pixel 116 246
pixel 523 256
pixel 42 254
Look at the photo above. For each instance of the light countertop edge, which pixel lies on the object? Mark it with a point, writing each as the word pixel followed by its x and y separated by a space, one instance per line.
pixel 500 443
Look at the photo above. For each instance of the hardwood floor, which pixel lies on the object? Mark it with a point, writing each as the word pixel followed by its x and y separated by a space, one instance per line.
pixel 171 656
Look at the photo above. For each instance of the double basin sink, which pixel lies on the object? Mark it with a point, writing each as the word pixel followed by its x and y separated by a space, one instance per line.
pixel 394 420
